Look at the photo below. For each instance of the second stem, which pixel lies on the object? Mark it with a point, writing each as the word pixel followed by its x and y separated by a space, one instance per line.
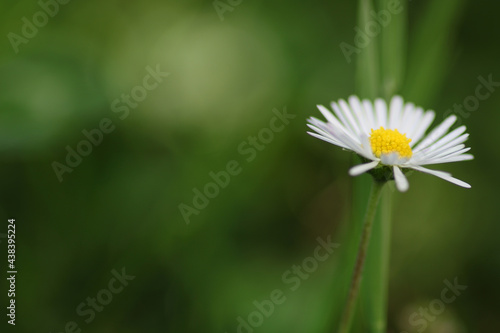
pixel 371 209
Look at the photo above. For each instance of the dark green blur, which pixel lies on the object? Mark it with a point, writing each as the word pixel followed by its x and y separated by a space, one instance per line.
pixel 228 79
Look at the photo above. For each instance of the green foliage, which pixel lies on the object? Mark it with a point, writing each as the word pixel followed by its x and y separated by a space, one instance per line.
pixel 119 207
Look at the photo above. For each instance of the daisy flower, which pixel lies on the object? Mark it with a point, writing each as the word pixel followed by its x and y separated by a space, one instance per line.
pixel 391 139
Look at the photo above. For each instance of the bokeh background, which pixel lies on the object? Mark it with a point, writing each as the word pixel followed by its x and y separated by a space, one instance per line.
pixel 120 206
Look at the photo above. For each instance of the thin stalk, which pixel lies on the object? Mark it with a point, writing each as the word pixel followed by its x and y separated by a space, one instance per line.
pixel 371 209
pixel 374 290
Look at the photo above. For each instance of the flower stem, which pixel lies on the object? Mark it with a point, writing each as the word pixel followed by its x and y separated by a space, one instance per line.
pixel 371 209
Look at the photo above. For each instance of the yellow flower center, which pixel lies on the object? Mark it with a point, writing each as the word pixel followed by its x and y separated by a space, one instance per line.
pixel 386 141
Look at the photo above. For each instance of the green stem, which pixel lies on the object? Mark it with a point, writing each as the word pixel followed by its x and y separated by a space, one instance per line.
pixel 373 200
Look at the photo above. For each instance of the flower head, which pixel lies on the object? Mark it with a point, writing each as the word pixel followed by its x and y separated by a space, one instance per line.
pixel 392 139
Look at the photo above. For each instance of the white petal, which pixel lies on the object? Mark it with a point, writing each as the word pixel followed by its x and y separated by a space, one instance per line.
pixel 322 132
pixel 412 119
pixel 458 149
pixel 401 181
pixel 389 159
pixel 359 114
pixel 421 156
pixel 362 168
pixel 320 127
pixel 406 122
pixel 420 129
pixel 329 140
pixel 455 157
pixel 370 115
pixel 381 109
pixel 340 114
pixel 436 173
pixel 328 128
pixel 446 149
pixel 365 142
pixel 460 139
pixel 332 129
pixel 464 157
pixel 447 138
pixel 354 146
pixel 328 115
pixel 325 132
pixel 443 175
pixel 348 113
pixel 339 137
pixel 395 111
pixel 436 133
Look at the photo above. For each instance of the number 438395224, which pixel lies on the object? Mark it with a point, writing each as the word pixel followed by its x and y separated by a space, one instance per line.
pixel 11 235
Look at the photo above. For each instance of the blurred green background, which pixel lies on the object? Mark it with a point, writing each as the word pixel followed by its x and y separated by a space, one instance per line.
pixel 120 206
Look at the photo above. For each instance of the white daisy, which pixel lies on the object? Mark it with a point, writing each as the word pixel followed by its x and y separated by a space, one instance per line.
pixel 392 137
